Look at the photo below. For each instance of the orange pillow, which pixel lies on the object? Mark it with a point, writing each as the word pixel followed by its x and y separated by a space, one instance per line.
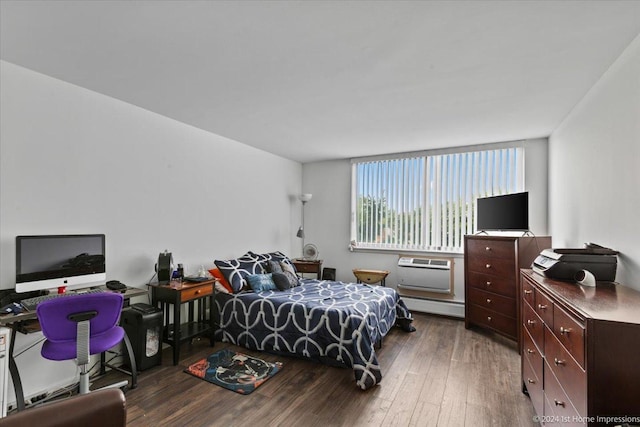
pixel 215 272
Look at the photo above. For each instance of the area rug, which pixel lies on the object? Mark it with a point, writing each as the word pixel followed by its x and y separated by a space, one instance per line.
pixel 234 371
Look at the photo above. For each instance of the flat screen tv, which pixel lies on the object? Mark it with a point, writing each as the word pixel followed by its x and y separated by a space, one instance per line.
pixel 509 212
pixel 59 261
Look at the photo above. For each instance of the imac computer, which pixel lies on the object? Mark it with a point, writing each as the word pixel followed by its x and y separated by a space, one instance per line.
pixel 60 262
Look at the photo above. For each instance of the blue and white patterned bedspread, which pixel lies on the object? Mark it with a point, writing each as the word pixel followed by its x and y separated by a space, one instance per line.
pixel 334 322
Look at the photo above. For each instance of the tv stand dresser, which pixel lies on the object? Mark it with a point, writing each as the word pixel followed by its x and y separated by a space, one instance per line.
pixel 580 351
pixel 491 279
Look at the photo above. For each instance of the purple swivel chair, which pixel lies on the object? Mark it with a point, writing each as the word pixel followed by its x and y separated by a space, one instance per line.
pixel 77 326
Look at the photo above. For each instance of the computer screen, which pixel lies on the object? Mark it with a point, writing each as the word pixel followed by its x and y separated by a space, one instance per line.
pixel 55 261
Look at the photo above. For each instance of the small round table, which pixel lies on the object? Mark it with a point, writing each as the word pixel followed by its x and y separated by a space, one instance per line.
pixel 370 276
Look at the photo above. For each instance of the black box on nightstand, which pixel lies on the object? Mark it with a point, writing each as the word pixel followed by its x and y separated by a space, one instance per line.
pixel 143 325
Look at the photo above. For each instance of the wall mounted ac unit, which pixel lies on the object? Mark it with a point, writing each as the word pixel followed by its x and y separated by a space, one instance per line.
pixel 425 274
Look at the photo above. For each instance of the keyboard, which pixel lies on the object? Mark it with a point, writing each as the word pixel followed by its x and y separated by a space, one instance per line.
pixel 31 303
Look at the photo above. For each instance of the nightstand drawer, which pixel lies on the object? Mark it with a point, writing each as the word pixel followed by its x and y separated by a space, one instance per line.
pixel 308 266
pixel 305 267
pixel 196 292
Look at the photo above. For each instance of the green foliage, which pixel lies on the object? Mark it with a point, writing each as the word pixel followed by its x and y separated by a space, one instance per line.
pixel 378 223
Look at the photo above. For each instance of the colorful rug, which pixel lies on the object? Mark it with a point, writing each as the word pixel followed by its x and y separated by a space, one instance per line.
pixel 234 371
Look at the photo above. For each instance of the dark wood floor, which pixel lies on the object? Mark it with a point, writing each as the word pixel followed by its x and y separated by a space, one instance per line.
pixel 440 375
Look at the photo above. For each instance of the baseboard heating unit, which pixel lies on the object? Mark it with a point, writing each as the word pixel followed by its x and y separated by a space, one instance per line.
pixel 443 308
pixel 426 285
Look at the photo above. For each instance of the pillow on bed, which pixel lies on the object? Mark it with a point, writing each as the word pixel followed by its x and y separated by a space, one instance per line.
pixel 271 256
pixel 237 270
pixel 290 271
pixel 281 281
pixel 273 266
pixel 215 272
pixel 221 289
pixel 261 282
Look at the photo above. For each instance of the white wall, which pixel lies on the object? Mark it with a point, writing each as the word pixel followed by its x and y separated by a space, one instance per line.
pixel 595 168
pixel 327 221
pixel 75 161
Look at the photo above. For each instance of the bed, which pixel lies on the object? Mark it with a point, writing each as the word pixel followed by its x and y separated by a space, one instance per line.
pixel 332 322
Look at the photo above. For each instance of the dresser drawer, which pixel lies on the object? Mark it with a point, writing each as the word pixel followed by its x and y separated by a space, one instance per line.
pixel 567 371
pixel 533 325
pixel 498 303
pixel 196 292
pixel 558 406
pixel 570 333
pixel 544 307
pixel 528 293
pixel 491 249
pixel 532 352
pixel 501 267
pixel 497 285
pixel 493 320
pixel 533 381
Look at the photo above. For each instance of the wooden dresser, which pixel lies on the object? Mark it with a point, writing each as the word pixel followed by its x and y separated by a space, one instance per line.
pixel 491 275
pixel 580 351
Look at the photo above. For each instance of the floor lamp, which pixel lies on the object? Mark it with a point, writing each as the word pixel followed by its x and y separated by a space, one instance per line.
pixel 304 198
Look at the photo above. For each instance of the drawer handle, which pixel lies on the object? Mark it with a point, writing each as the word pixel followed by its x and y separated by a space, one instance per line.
pixel 488 300
pixel 488 266
pixel 542 307
pixel 198 291
pixel 558 362
pixel 564 331
pixel 488 248
pixel 488 318
pixel 527 292
pixel 530 381
pixel 530 351
pixel 488 283
pixel 531 322
pixel 558 403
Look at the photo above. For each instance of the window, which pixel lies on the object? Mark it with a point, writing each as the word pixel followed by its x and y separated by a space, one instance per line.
pixel 427 202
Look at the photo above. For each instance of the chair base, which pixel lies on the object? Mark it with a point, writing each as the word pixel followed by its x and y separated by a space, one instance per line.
pixel 121 385
pixel 132 364
pixel 84 385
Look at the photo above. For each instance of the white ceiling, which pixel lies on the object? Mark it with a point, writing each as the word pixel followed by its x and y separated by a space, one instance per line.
pixel 316 80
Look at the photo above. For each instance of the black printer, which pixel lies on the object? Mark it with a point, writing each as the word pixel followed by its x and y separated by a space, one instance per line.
pixel 563 264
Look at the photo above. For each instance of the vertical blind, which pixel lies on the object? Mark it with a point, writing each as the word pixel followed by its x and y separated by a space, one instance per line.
pixel 428 202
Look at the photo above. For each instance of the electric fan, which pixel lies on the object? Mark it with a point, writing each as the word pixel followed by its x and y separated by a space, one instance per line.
pixel 310 251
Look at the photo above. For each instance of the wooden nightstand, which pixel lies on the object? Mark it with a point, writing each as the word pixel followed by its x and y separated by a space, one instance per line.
pixel 185 293
pixel 308 266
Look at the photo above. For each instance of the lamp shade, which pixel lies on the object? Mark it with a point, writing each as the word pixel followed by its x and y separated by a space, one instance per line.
pixel 304 198
pixel 300 233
